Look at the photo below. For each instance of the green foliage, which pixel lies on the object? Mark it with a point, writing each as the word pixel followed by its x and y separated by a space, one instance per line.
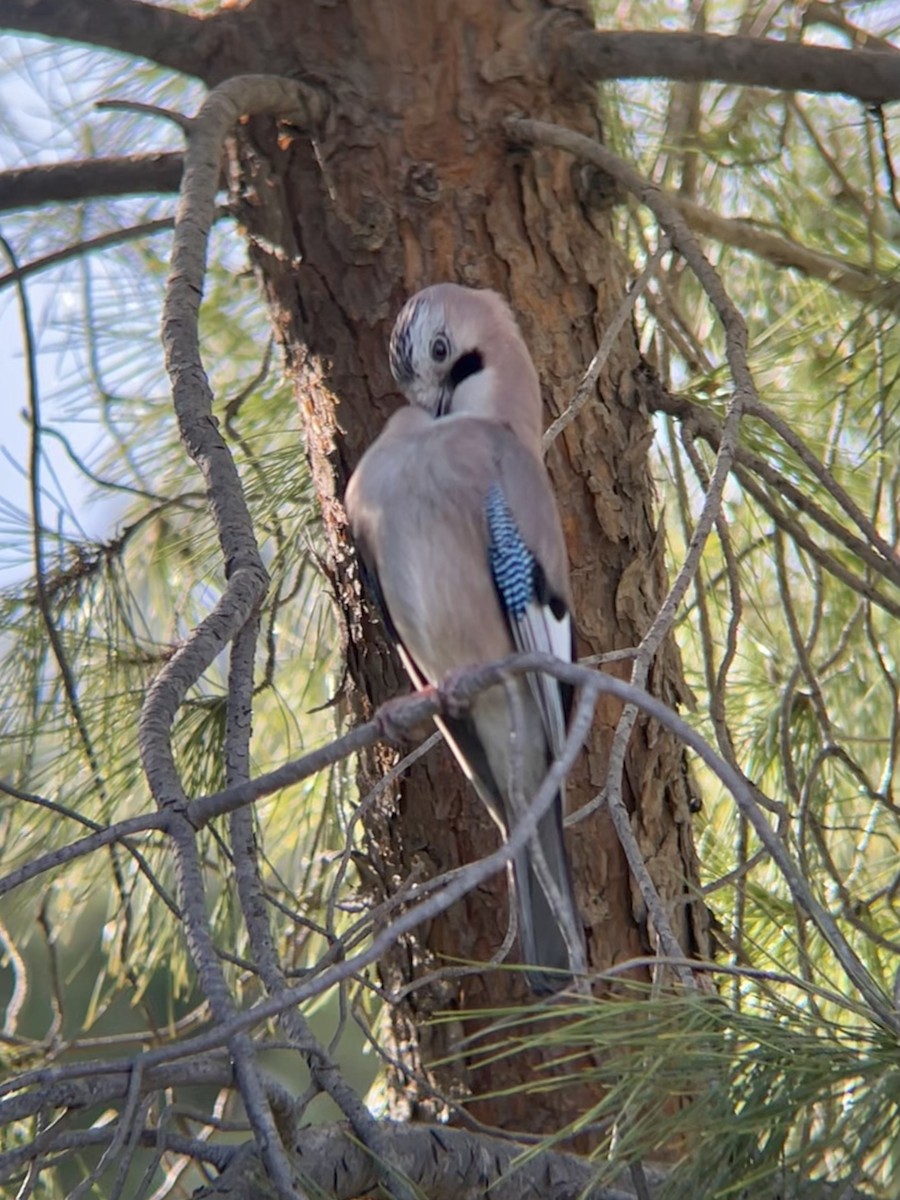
pixel 760 1095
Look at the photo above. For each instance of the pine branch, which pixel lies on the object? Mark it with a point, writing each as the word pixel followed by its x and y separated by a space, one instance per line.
pixel 87 1084
pixel 860 282
pixel 210 48
pixel 90 178
pixel 869 75
pixel 115 237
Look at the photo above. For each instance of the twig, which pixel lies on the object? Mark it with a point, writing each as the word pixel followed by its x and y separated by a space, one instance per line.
pixel 820 12
pixel 121 831
pixel 19 993
pixel 717 685
pixel 124 1131
pixel 888 157
pixel 863 283
pixel 749 465
pixel 61 810
pixel 825 477
pixel 386 781
pixel 181 120
pixel 103 241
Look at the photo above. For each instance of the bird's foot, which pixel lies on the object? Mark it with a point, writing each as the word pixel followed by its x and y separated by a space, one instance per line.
pixel 454 692
pixel 397 719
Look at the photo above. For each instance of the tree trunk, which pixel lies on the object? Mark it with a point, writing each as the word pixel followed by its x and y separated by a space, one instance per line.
pixel 414 182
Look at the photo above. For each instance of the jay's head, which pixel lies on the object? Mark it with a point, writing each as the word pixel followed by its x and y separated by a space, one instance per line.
pixel 457 349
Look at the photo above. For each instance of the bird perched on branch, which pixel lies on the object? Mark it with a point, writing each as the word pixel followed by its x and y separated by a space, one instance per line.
pixel 460 539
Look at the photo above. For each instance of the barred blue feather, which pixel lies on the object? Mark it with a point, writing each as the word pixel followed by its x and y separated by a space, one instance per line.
pixel 511 562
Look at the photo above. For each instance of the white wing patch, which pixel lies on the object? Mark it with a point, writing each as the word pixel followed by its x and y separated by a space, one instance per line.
pixel 540 631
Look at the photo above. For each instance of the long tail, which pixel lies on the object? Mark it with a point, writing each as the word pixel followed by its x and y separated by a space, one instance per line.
pixel 542 940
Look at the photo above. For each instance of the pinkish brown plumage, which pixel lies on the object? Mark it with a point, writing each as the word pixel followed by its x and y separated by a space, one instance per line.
pixel 483 345
pixel 457 527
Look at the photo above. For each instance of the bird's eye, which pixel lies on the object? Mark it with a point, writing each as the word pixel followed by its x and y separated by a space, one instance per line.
pixel 440 348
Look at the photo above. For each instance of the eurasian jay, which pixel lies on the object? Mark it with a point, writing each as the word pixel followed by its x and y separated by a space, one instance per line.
pixel 457 528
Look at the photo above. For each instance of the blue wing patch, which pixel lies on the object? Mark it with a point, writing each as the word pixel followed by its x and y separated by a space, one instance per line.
pixel 512 563
pixel 537 620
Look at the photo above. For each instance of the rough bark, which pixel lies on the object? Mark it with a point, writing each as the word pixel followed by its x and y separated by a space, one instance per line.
pixel 413 182
pixel 235 39
pixel 445 1164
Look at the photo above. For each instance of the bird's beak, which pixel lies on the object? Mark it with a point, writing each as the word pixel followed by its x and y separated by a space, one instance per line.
pixel 445 399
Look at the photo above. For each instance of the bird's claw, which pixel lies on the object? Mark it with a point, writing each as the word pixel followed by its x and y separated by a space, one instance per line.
pixel 395 721
pixel 455 701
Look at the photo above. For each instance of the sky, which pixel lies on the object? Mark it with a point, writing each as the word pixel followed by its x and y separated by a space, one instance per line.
pixel 47 114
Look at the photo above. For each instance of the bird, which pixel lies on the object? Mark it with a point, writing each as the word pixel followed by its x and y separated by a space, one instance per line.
pixel 455 522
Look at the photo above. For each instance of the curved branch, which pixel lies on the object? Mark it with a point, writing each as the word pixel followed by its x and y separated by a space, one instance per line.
pixel 244 569
pixel 192 399
pixel 869 75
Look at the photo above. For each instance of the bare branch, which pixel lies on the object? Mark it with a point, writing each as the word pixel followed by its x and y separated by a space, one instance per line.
pixel 868 75
pixel 89 178
pixel 208 47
